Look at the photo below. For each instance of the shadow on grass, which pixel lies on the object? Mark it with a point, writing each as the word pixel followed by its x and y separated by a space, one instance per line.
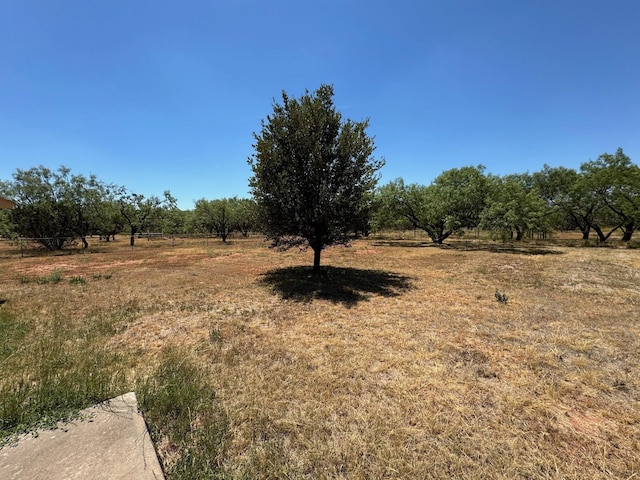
pixel 508 247
pixel 476 246
pixel 339 285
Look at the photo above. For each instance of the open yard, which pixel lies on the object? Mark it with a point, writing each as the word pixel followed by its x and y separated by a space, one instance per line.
pixel 397 361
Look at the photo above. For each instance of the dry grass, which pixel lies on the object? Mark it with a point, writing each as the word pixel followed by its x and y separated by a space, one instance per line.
pixel 397 363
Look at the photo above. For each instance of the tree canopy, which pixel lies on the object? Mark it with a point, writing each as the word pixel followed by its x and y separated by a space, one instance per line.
pixel 54 206
pixel 453 201
pixel 313 172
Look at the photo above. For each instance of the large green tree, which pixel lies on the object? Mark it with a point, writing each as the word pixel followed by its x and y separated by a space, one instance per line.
pixel 245 215
pixel 514 206
pixel 312 172
pixel 614 182
pixel 217 216
pixel 54 206
pixel 450 204
pixel 565 190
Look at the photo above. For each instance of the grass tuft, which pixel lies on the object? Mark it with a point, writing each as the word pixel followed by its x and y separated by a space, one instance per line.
pixel 501 297
pixel 47 379
pixel 185 418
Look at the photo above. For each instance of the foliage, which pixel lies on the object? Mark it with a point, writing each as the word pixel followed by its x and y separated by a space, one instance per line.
pixel 514 205
pixel 603 196
pixel 175 221
pixel 565 192
pixel 312 172
pixel 450 204
pixel 7 228
pixel 141 213
pixel 111 222
pixel 223 216
pixel 49 208
pixel 246 215
pixel 615 183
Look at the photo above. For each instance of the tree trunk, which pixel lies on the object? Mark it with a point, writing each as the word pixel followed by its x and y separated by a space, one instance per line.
pixel 628 231
pixel 316 258
pixel 519 234
pixel 84 243
pixel 132 240
pixel 601 236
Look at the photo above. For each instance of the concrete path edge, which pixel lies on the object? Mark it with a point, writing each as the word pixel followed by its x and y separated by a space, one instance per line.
pixel 110 441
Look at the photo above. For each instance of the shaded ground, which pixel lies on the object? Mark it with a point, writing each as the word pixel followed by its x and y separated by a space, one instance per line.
pixel 337 284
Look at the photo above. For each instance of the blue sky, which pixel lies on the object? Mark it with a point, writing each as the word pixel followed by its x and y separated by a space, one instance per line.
pixel 158 95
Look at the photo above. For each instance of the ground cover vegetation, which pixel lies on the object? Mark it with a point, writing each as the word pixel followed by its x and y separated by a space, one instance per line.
pixel 402 359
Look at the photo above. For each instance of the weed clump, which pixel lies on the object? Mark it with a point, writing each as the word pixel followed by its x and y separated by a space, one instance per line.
pixel 501 297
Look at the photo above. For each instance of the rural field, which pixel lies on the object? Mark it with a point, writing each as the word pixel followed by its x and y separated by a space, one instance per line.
pixel 397 361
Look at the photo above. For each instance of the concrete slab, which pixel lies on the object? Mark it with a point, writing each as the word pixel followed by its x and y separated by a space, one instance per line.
pixel 110 442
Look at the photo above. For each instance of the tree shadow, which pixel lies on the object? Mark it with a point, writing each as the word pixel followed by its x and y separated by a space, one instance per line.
pixel 336 284
pixel 476 246
pixel 508 247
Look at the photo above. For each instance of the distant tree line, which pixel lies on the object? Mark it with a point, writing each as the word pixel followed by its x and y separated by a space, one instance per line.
pixel 603 196
pixel 56 207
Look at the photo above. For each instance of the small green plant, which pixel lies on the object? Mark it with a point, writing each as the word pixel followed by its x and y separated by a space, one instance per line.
pixel 102 276
pixel 501 297
pixel 214 335
pixel 77 281
pixel 53 277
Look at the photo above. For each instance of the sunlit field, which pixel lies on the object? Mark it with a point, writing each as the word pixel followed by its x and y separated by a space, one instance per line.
pixel 478 359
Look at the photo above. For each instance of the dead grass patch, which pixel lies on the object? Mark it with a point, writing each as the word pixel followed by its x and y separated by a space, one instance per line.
pixel 397 363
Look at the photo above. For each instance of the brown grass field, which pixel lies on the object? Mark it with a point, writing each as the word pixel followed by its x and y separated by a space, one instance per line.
pixel 396 362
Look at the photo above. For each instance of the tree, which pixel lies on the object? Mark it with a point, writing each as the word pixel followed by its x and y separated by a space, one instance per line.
pixel 216 216
pixel 246 215
pixel 615 183
pixel 140 212
pixel 450 204
pixel 571 193
pixel 87 198
pixel 515 205
pixel 7 228
pixel 111 221
pixel 54 207
pixel 175 221
pixel 312 172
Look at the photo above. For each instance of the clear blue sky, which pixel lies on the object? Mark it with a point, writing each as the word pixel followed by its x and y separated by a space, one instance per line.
pixel 160 95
